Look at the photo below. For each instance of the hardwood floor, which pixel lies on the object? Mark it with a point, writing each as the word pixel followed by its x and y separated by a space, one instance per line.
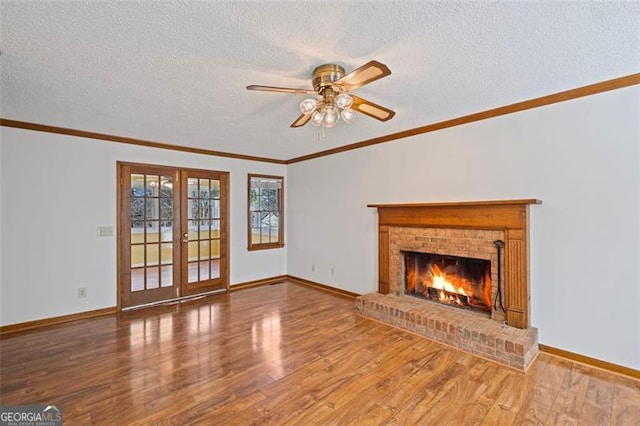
pixel 288 354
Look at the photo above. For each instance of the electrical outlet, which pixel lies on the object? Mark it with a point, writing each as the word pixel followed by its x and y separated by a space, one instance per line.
pixel 105 231
pixel 82 292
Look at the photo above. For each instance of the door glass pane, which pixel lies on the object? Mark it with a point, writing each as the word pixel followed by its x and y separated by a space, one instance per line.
pixel 166 201
pixel 192 191
pixel 153 277
pixel 203 209
pixel 137 235
pixel 166 233
pixel 152 210
pixel 193 272
pixel 153 254
pixel 190 210
pixel 215 268
pixel 153 231
pixel 166 219
pixel 137 208
pixel 215 249
pixel 137 213
pixel 215 228
pixel 204 249
pixel 137 202
pixel 137 185
pixel 137 256
pixel 166 186
pixel 204 188
pixel 204 230
pixel 215 189
pixel 204 270
pixel 193 230
pixel 192 251
pixel 137 279
pixel 166 255
pixel 152 185
pixel 167 275
pixel 215 209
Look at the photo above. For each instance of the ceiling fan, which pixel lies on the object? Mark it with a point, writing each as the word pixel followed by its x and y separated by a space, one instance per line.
pixel 331 101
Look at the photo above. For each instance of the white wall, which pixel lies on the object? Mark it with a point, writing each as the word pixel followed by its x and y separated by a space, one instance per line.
pixel 56 191
pixel 579 157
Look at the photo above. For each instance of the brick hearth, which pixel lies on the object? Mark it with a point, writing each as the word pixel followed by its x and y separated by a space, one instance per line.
pixel 463 330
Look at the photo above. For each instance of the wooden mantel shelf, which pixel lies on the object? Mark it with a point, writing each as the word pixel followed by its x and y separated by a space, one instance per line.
pixel 509 216
pixel 461 203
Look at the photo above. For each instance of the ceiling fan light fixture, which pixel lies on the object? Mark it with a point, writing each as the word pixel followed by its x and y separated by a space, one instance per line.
pixel 344 101
pixel 317 118
pixel 308 106
pixel 347 115
pixel 331 116
pixel 330 101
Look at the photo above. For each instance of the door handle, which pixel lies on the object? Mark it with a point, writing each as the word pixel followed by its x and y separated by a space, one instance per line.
pixel 185 237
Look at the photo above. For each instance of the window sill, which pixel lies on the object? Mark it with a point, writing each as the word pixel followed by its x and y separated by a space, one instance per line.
pixel 256 247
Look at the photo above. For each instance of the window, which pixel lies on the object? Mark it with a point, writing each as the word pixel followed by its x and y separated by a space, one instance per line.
pixel 266 195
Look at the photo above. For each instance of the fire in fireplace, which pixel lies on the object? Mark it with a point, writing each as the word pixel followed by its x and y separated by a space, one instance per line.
pixel 459 281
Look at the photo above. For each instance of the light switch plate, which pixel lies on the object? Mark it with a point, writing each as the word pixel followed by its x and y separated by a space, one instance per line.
pixel 105 231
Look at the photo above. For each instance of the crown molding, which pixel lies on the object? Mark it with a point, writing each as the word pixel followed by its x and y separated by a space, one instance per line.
pixel 131 141
pixel 579 92
pixel 591 89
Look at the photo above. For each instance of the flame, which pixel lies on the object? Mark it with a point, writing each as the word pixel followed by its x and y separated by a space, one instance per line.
pixel 440 282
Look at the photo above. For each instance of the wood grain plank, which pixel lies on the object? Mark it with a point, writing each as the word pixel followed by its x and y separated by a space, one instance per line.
pixel 598 402
pixel 626 402
pixel 542 395
pixel 566 408
pixel 288 354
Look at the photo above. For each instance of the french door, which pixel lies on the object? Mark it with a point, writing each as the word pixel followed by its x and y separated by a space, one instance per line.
pixel 173 238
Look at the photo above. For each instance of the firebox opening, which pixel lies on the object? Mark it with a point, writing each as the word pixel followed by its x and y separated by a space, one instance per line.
pixel 452 280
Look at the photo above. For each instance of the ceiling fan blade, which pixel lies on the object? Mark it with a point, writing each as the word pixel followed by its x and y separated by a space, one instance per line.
pixel 371 71
pixel 279 89
pixel 301 121
pixel 372 110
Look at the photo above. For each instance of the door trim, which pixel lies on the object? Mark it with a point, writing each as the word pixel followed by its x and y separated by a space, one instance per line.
pixel 224 245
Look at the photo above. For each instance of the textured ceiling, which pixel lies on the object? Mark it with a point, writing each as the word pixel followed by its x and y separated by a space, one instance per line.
pixel 176 72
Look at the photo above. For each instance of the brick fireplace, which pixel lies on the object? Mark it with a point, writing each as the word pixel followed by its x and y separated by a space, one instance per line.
pixel 467 230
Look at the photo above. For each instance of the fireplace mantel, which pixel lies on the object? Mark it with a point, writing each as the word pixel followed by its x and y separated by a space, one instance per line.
pixel 510 216
pixel 462 203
